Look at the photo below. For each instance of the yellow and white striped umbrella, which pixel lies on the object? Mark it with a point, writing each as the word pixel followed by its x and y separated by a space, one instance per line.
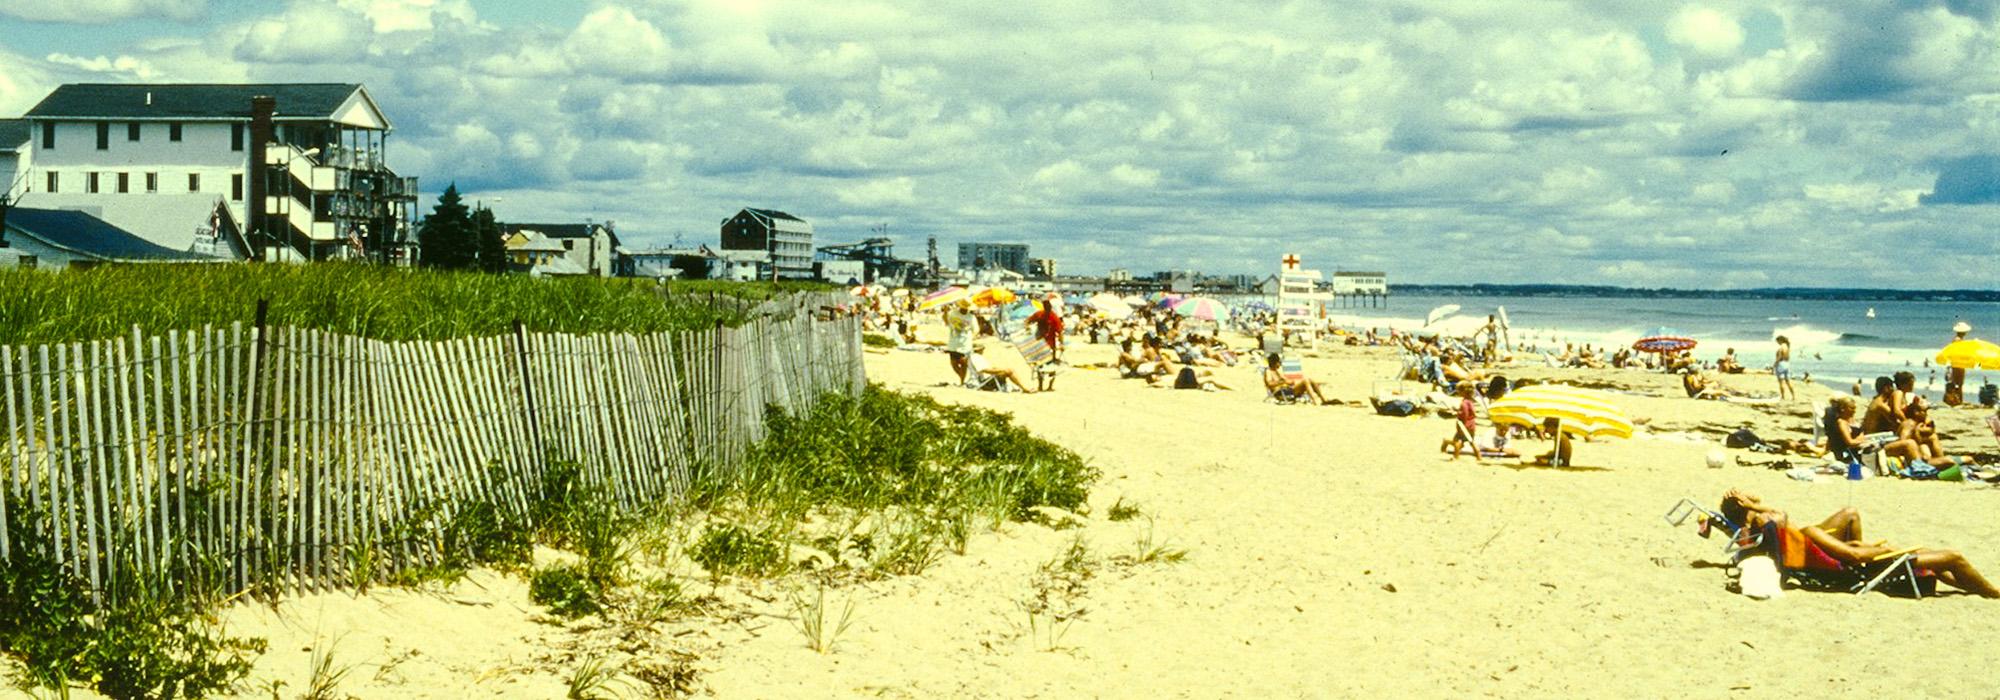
pixel 1583 412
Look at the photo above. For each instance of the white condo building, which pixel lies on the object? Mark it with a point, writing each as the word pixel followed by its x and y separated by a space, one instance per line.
pixel 272 171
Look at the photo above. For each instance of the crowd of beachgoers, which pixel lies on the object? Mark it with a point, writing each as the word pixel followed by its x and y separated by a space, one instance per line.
pixel 1463 378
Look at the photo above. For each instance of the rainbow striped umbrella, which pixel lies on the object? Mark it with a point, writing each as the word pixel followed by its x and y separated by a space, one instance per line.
pixel 1664 339
pixel 1971 353
pixel 1584 412
pixel 1202 308
pixel 943 298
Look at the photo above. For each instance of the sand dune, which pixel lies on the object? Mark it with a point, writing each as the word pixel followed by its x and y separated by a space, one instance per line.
pixel 1330 553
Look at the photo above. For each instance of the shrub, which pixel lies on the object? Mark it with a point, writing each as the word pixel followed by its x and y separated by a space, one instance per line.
pixel 566 590
pixel 731 550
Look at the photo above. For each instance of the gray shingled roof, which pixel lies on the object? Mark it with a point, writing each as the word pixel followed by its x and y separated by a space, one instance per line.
pixel 13 134
pixel 91 236
pixel 189 101
pixel 774 214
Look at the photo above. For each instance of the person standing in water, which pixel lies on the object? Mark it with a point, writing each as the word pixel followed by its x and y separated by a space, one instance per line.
pixel 1783 369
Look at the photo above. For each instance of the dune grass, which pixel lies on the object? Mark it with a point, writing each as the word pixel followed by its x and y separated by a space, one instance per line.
pixel 40 306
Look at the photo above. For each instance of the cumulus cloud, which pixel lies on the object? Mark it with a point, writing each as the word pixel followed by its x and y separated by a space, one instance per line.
pixel 1706 31
pixel 1599 142
pixel 102 11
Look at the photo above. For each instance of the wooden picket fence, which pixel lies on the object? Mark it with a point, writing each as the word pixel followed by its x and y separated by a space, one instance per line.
pixel 268 459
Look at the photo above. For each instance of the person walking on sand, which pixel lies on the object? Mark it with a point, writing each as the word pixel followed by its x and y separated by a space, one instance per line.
pixel 963 326
pixel 1783 369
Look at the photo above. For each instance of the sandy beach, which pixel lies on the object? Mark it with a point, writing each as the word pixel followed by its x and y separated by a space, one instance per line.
pixel 1330 552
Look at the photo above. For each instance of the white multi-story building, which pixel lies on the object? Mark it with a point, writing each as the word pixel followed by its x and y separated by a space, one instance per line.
pixel 273 171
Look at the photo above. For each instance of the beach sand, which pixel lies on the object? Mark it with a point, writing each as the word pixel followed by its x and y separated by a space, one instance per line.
pixel 1330 553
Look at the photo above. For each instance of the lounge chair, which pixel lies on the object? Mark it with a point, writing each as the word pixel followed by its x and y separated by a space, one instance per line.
pixel 1804 563
pixel 977 379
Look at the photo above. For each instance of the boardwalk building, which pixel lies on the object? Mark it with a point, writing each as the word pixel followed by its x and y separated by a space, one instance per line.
pixel 788 239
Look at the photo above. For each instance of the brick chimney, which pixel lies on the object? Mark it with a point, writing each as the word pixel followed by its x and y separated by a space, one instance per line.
pixel 262 107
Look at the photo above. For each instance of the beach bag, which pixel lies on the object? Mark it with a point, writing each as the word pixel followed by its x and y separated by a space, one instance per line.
pixel 1742 439
pixel 1989 395
pixel 1396 407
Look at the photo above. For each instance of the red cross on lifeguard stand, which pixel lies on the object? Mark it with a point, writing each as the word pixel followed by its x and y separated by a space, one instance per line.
pixel 1291 261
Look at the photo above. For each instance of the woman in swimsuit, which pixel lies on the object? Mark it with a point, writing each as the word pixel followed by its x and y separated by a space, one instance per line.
pixel 1839 536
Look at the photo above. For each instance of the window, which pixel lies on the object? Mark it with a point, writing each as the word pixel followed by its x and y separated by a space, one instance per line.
pixel 48 134
pixel 194 182
pixel 236 187
pixel 152 182
pixel 236 137
pixel 569 245
pixel 174 131
pixel 29 261
pixel 90 183
pixel 124 183
pixel 132 131
pixel 104 136
pixel 53 181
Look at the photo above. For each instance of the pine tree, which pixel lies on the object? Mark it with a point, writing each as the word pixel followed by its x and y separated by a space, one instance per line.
pixel 492 248
pixel 447 234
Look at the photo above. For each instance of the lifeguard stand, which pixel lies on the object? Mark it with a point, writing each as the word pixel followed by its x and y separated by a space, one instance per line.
pixel 1298 300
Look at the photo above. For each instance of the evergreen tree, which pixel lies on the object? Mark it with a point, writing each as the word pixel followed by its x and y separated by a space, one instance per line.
pixel 447 234
pixel 492 248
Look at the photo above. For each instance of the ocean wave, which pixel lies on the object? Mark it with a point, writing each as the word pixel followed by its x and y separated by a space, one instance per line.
pixel 1805 334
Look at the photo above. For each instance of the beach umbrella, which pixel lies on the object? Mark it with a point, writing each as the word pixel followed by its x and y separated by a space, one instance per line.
pixel 1664 339
pixel 1137 302
pixel 860 291
pixel 900 292
pixel 1202 308
pixel 1582 412
pixel 1111 305
pixel 1971 353
pixel 943 297
pixel 1439 313
pixel 993 296
pixel 1165 300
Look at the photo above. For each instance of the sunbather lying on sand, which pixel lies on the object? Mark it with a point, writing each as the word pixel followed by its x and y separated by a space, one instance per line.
pixel 1840 537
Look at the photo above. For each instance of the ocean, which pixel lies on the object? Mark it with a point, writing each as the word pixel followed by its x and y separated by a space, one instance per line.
pixel 1836 341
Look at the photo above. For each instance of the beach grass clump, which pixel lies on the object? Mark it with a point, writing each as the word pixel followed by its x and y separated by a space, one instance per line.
pixel 887 449
pixel 566 590
pixel 729 549
pixel 138 640
pixel 1121 511
pixel 375 301
pixel 811 619
pixel 1055 599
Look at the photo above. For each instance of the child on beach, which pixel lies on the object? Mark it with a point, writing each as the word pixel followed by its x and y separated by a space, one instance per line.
pixel 1462 429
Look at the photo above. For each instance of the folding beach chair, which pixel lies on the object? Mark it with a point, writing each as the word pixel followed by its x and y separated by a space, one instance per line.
pixel 977 379
pixel 1040 358
pixel 1292 371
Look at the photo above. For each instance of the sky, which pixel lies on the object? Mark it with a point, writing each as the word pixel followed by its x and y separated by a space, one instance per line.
pixel 1719 145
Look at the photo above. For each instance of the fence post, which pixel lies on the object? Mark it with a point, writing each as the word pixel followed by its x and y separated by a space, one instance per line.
pixel 536 449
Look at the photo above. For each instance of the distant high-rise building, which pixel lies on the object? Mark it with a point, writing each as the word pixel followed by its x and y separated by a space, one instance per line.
pixel 1004 256
pixel 789 240
pixel 1044 268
